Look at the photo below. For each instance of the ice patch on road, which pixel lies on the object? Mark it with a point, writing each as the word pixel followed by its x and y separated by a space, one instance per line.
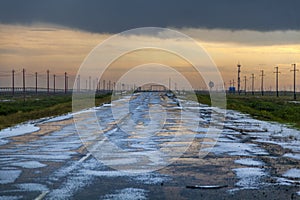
pixel 292 173
pixel 9 176
pixel 249 162
pixel 54 157
pixel 250 178
pixel 59 118
pixel 127 194
pixel 285 181
pixel 10 197
pixel 151 179
pixel 70 187
pixel 18 130
pixel 235 149
pixel 145 178
pixel 29 164
pixel 3 142
pixel 32 187
pixel 292 155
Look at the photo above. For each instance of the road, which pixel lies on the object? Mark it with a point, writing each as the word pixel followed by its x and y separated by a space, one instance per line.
pixel 150 150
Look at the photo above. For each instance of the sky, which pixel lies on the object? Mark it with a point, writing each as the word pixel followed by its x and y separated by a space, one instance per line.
pixel 59 35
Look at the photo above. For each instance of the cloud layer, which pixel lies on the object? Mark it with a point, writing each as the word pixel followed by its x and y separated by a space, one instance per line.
pixel 114 16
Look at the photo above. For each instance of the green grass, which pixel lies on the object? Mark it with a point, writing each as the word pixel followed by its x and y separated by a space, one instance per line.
pixel 34 107
pixel 267 108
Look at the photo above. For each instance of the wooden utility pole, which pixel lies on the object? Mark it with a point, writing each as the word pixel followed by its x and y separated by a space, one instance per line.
pixel 13 82
pixel 90 84
pixel 36 82
pixel 23 80
pixel 97 85
pixel 24 84
pixel 276 73
pixel 78 83
pixel 233 82
pixel 245 79
pixel 66 83
pixel 239 79
pixel 48 83
pixel 54 83
pixel 262 82
pixel 294 70
pixel 252 78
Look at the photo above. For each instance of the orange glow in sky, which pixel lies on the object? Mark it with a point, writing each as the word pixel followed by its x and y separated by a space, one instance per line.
pixel 39 47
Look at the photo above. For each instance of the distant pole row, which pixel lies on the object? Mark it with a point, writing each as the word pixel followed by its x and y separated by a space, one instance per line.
pixel 262 75
pixel 36 82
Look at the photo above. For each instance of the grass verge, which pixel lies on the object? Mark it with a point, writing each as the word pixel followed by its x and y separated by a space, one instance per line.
pixel 268 108
pixel 16 110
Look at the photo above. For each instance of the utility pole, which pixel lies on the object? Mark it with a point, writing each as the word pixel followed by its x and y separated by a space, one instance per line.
pixel 66 83
pixel 24 84
pixel 13 82
pixel 23 80
pixel 78 83
pixel 90 84
pixel 239 78
pixel 103 85
pixel 262 82
pixel 276 73
pixel 245 79
pixel 48 82
pixel 252 77
pixel 36 82
pixel 54 83
pixel 97 85
pixel 294 70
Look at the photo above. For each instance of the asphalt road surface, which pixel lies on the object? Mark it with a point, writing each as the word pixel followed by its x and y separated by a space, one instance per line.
pixel 150 146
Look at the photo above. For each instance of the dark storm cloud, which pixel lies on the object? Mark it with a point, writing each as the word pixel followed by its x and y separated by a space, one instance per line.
pixel 115 16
